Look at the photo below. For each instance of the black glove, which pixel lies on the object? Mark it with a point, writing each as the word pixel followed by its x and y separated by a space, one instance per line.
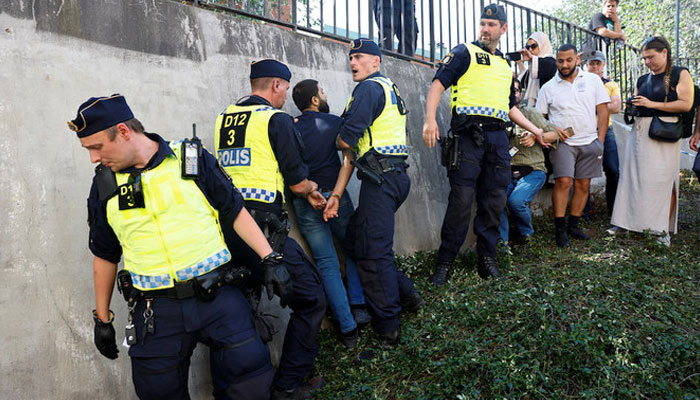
pixel 105 340
pixel 277 280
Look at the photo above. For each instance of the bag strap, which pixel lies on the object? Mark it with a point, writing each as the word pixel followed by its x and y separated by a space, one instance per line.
pixel 649 87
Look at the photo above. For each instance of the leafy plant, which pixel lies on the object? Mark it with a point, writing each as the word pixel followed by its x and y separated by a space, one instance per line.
pixel 610 318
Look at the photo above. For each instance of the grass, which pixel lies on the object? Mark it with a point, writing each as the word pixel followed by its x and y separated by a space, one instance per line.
pixel 612 318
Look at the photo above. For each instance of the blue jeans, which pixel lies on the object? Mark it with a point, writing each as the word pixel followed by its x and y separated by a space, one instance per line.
pixel 520 194
pixel 319 235
pixel 696 165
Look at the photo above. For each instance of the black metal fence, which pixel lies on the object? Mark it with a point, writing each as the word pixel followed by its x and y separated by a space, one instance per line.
pixel 424 31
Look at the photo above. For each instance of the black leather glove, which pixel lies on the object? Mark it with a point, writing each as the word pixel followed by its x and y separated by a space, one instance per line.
pixel 277 279
pixel 105 340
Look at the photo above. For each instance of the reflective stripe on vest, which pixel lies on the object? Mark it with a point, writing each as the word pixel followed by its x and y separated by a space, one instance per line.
pixel 387 134
pixel 243 149
pixel 484 89
pixel 176 236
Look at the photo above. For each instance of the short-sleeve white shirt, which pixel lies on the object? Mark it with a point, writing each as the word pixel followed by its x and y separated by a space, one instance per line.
pixel 574 105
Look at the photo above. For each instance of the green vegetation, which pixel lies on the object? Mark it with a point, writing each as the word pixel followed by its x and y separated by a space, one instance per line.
pixel 641 19
pixel 615 318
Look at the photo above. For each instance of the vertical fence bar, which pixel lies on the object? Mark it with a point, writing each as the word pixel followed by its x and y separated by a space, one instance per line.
pixel 457 22
pixel 294 13
pixel 442 44
pixel 449 25
pixel 422 30
pixel 359 19
pixel 474 24
pixel 335 19
pixel 431 11
pixel 464 19
pixel 347 19
pixel 321 21
pixel 308 13
pixel 369 19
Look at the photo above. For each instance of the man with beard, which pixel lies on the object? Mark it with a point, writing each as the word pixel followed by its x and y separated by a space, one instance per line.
pixel 573 99
pixel 483 100
pixel 318 130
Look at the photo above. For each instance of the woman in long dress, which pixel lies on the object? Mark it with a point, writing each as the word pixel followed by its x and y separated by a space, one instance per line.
pixel 647 195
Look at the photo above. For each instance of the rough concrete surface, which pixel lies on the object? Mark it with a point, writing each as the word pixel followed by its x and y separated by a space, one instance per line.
pixel 176 65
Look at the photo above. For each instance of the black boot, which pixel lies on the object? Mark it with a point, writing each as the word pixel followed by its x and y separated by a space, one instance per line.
pixel 560 232
pixel 488 266
pixel 442 273
pixel 574 231
pixel 391 339
pixel 412 303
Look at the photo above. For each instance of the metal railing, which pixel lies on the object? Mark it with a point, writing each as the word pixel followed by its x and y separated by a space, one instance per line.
pixel 423 31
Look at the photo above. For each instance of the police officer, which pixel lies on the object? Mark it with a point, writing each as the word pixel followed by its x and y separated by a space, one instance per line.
pixel 258 146
pixel 374 125
pixel 167 228
pixel 483 100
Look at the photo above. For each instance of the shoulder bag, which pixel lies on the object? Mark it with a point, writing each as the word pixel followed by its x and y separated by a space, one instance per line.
pixel 661 130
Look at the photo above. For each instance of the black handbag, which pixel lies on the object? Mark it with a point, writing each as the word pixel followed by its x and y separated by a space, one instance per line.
pixel 661 130
pixel 665 131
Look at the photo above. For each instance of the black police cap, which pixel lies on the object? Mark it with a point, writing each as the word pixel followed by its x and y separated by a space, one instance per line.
pixel 269 68
pixel 493 11
pixel 100 113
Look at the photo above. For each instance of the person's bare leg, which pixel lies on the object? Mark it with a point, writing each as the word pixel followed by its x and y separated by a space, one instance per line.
pixel 560 195
pixel 578 200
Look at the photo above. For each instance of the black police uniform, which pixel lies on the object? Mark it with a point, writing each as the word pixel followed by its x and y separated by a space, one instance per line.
pixel 308 298
pixel 371 231
pixel 240 362
pixel 484 172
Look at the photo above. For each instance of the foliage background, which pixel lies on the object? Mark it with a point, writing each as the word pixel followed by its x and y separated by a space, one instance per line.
pixel 641 19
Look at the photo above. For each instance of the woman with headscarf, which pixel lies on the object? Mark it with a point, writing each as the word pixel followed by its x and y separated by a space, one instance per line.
pixel 542 68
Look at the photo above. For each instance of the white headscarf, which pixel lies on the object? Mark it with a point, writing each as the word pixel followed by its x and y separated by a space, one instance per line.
pixel 533 84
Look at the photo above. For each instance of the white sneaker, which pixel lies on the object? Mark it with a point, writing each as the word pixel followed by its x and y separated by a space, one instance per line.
pixel 615 230
pixel 664 239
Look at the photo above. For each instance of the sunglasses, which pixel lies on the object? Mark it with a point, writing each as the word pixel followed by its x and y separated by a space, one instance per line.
pixel 531 46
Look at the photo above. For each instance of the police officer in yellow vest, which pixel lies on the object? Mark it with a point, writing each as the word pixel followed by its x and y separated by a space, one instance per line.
pixel 257 144
pixel 167 227
pixel 374 126
pixel 482 101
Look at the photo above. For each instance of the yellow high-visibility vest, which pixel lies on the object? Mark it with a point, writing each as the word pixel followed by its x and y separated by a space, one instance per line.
pixel 484 89
pixel 243 148
pixel 387 134
pixel 176 235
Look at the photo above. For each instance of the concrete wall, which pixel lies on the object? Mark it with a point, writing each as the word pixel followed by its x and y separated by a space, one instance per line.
pixel 176 65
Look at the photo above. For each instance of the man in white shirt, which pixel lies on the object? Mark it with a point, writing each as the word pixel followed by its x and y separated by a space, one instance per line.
pixel 578 100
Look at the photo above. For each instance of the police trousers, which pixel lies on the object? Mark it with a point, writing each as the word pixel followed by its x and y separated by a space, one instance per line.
pixel 485 174
pixel 371 243
pixel 239 361
pixel 308 308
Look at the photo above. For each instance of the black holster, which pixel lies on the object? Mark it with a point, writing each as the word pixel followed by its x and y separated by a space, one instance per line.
pixel 373 166
pixel 450 151
pixel 275 227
